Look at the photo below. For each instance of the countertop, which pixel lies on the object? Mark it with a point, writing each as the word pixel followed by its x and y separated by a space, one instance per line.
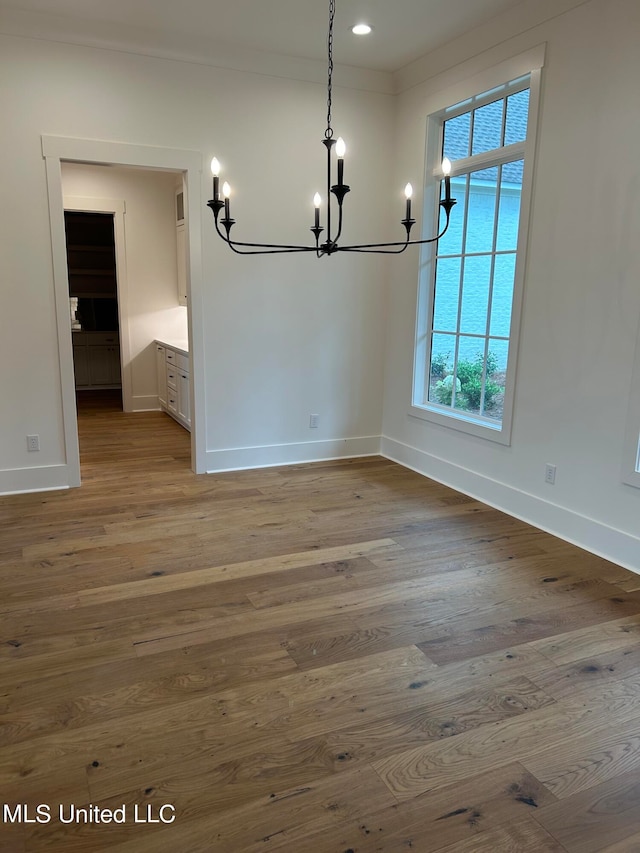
pixel 178 345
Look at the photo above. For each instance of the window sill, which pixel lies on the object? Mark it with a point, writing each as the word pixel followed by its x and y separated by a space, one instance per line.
pixel 479 427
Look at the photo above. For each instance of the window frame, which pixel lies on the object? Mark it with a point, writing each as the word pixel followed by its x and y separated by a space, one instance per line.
pixel 474 95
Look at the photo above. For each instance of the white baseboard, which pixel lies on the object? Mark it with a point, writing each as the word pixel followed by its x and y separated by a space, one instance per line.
pixel 15 481
pixel 145 403
pixel 587 533
pixel 268 456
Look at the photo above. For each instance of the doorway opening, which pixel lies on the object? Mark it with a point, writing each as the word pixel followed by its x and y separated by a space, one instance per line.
pixel 93 305
pixel 128 289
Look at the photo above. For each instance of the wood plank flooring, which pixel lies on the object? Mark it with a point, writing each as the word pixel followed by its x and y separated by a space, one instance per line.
pixel 341 657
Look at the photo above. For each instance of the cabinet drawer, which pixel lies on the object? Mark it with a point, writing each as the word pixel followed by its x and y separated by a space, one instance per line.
pixel 172 401
pixel 100 339
pixel 172 376
pixel 170 356
pixel 182 361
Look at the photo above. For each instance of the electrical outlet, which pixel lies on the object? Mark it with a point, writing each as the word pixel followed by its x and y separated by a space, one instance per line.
pixel 550 474
pixel 33 443
pixel 313 421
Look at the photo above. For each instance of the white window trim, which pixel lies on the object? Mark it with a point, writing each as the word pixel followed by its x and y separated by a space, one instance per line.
pixel 530 63
pixel 631 448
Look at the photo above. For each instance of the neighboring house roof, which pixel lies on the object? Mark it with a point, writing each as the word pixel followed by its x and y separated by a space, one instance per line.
pixel 460 142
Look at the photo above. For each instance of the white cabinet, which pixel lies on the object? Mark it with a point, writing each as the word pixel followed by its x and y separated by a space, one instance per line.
pixel 104 367
pixel 184 397
pixel 80 365
pixel 161 371
pixel 96 359
pixel 174 386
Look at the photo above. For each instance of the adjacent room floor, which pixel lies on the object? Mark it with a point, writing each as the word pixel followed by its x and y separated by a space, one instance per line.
pixel 340 657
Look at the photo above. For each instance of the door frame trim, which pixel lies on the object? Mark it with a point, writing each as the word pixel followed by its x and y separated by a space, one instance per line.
pixel 116 207
pixel 55 150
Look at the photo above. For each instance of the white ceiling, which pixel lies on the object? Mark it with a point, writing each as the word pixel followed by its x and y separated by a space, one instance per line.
pixel 404 30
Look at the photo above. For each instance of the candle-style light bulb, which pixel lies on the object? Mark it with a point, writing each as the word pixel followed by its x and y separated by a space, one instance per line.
pixel 408 192
pixel 340 152
pixel 215 171
pixel 317 201
pixel 226 192
pixel 446 171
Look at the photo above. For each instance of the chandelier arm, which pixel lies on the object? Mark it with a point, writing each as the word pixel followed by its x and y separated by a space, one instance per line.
pixel 404 243
pixel 337 237
pixel 328 142
pixel 271 248
pixel 276 248
pixel 373 251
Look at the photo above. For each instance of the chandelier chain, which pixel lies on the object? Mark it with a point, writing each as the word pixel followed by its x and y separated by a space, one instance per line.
pixel 332 12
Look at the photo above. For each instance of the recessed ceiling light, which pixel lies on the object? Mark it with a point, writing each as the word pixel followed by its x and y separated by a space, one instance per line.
pixel 361 29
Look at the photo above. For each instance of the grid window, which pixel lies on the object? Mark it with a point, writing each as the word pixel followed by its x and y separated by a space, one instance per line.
pixel 467 340
pixel 473 294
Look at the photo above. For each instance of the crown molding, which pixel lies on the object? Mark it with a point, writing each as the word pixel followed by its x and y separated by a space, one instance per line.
pixel 515 21
pixel 180 47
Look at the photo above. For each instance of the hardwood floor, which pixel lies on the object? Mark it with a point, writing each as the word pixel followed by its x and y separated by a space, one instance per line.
pixel 341 657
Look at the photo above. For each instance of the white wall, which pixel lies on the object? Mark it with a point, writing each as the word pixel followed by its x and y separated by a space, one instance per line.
pixel 582 300
pixel 150 308
pixel 283 336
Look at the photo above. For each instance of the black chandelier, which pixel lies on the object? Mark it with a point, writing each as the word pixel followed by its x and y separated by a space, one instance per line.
pixel 339 190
